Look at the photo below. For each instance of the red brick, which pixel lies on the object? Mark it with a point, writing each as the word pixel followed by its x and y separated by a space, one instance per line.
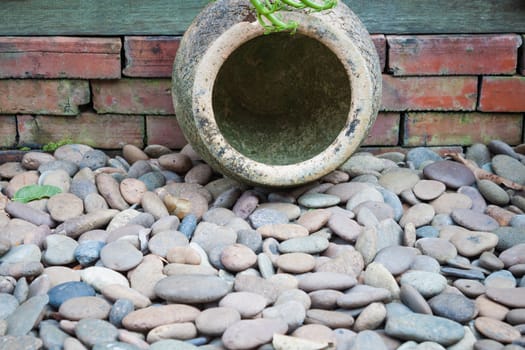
pixel 60 57
pixel 150 56
pixel 164 130
pixel 101 131
pixel 437 129
pixel 502 94
pixel 453 54
pixel 522 56
pixel 380 44
pixel 429 93
pixel 58 97
pixel 440 150
pixel 7 131
pixel 385 131
pixel 133 96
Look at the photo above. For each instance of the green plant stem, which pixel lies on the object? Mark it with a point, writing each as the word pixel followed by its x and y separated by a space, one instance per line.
pixel 266 9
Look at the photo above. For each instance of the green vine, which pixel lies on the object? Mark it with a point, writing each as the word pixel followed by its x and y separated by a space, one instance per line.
pixel 271 21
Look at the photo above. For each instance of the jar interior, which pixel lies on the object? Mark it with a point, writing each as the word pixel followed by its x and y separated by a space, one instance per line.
pixel 281 99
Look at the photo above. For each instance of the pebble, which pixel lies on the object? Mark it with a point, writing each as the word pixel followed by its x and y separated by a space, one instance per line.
pixel 296 262
pixel 267 216
pixel 419 215
pixel 26 315
pixel 437 248
pixel 344 227
pixel 92 332
pixel 248 334
pixel 419 155
pixel 413 299
pixel 452 174
pixel 376 275
pixel 88 252
pixel 215 320
pixel 98 277
pixel 473 220
pixel 426 283
pixel 509 168
pixel 493 193
pixel 511 297
pixel 421 328
pixel 500 279
pixel 60 250
pixel 449 201
pixel 205 288
pixel 8 304
pixel 427 190
pixel 306 262
pixel 93 159
pixel 68 290
pixel 238 257
pixel 509 237
pixel 120 255
pixel 326 280
pixel 151 317
pixel 329 318
pixel 470 288
pixel 399 180
pixel 496 330
pixel 473 243
pixel 83 307
pixel 311 244
pixel 478 153
pixel 453 306
pixel 396 259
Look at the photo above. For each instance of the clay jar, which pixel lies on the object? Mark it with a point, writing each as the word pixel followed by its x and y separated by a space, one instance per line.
pixel 280 109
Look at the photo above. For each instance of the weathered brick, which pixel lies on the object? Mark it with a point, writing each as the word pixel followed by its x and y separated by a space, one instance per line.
pixel 429 93
pixel 150 56
pixel 132 96
pixel 385 131
pixel 7 131
pixel 101 131
pixel 57 97
pixel 380 44
pixel 522 56
pixel 60 57
pixel 164 130
pixel 453 54
pixel 437 129
pixel 442 150
pixel 502 94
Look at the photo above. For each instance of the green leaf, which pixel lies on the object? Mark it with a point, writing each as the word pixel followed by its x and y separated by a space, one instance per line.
pixel 31 192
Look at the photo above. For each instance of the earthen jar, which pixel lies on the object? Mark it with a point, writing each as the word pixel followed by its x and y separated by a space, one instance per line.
pixel 280 109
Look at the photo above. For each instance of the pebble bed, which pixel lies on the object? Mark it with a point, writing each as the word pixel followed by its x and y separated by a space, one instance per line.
pixel 153 250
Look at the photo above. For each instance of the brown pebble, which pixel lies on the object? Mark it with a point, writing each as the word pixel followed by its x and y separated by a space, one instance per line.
pixel 132 153
pixel 176 162
pixel 200 174
pixel 132 190
pixel 314 220
pixel 183 255
pixel 496 330
pixel 296 262
pixel 65 206
pixel 108 187
pixel 489 308
pixel 238 257
pixel 21 180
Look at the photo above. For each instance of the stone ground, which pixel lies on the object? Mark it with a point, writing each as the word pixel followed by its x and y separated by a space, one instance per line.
pixel 153 250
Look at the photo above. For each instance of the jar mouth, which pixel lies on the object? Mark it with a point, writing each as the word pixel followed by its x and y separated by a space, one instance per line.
pixel 279 109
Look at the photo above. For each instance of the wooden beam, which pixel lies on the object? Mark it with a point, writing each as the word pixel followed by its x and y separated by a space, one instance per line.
pixel 172 17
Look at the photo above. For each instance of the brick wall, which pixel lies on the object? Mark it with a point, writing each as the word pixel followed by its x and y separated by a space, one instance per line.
pixel 438 90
